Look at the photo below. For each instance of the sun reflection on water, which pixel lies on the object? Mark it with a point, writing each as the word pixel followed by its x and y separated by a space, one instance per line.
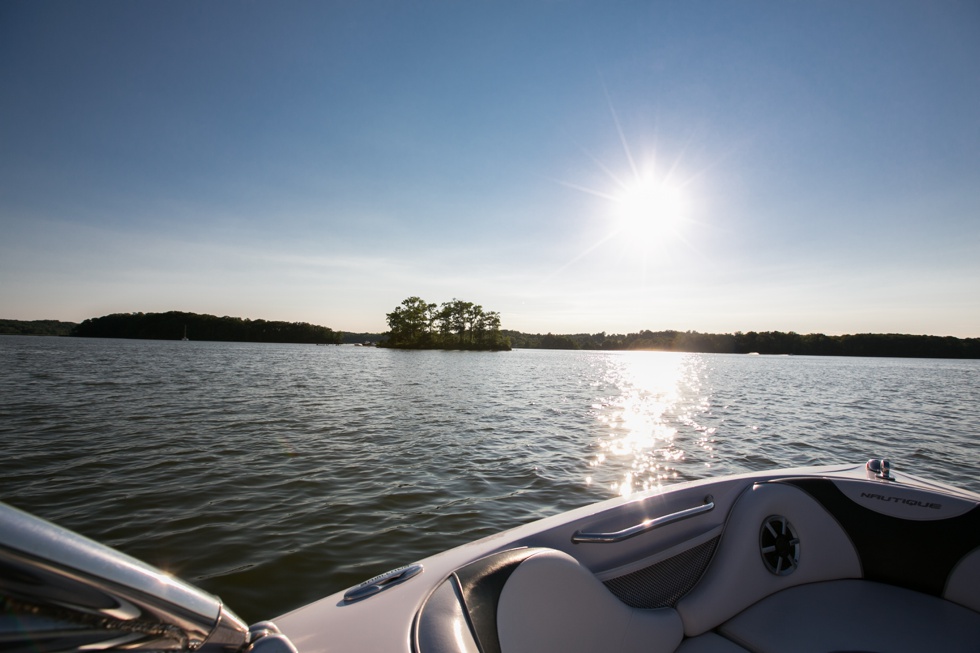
pixel 644 397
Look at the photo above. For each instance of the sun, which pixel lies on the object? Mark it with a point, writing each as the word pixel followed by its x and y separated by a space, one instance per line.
pixel 648 210
pixel 645 214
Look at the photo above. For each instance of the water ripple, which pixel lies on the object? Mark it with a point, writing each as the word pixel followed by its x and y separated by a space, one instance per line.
pixel 275 474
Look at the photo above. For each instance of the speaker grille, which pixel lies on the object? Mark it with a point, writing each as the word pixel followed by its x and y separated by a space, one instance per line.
pixel 780 545
pixel 663 584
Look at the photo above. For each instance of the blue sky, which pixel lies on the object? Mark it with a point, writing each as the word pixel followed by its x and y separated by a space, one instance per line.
pixel 576 166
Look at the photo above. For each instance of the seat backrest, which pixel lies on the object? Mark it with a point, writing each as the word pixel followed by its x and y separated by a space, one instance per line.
pixel 533 600
pixel 550 602
pixel 963 586
pixel 776 537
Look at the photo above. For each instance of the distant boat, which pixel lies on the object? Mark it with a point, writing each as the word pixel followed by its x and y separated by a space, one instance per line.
pixel 185 333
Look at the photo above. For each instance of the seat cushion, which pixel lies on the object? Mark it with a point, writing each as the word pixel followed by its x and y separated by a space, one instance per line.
pixel 853 615
pixel 552 603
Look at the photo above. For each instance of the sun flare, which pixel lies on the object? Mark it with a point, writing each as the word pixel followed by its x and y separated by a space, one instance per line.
pixel 643 215
pixel 649 209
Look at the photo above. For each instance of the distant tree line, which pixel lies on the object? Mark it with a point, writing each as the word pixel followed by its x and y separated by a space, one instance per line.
pixel 766 342
pixel 521 340
pixel 174 325
pixel 463 325
pixel 35 327
pixel 417 324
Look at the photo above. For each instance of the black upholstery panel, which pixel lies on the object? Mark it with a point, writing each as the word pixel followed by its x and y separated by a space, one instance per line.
pixel 918 555
pixel 480 584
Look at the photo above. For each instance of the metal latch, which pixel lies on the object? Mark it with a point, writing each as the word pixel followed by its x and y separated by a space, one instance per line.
pixel 380 583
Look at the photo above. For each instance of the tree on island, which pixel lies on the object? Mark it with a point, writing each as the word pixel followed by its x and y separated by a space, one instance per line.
pixel 417 324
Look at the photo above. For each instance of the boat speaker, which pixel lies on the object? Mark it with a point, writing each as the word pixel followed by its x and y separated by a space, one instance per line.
pixel 780 545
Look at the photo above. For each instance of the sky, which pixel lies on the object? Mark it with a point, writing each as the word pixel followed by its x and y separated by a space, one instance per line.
pixel 576 166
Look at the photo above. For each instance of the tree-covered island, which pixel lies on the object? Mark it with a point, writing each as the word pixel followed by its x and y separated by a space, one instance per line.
pixel 175 325
pixel 417 324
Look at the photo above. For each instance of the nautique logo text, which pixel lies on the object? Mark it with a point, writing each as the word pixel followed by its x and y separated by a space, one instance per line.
pixel 907 502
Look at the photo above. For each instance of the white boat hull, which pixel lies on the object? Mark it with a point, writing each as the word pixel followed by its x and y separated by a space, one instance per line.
pixel 389 619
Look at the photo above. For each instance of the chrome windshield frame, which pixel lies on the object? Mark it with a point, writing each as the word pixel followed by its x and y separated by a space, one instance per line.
pixel 58 586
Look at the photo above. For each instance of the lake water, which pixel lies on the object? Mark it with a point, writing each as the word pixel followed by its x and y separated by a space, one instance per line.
pixel 273 475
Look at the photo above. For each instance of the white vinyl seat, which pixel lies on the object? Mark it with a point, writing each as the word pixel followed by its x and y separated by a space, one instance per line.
pixel 552 603
pixel 824 601
pixel 737 577
pixel 963 582
pixel 853 615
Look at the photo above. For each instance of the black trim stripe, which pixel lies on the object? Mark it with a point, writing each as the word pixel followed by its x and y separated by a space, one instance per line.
pixel 480 584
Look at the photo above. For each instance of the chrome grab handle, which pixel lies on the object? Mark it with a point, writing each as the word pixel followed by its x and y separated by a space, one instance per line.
pixel 648 525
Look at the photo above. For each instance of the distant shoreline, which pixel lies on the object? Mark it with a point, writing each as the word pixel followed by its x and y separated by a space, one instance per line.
pixel 36 327
pixel 770 342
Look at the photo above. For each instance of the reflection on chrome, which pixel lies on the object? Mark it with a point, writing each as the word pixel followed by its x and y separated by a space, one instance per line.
pixel 61 591
pixel 647 397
